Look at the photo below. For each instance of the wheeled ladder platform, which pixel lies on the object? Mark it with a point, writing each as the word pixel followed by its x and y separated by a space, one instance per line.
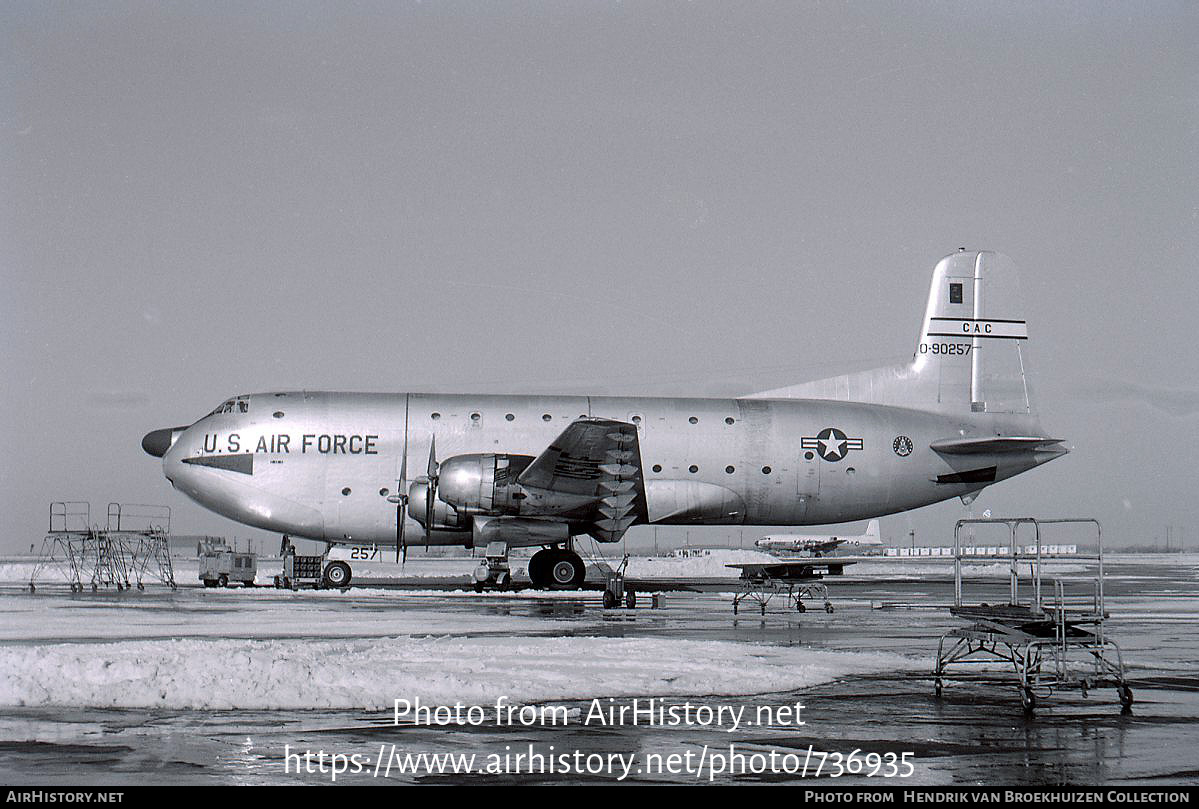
pixel 1055 641
pixel 762 590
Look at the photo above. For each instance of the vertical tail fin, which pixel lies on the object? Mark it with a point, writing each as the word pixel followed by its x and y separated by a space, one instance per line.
pixel 973 337
pixel 971 355
pixel 872 536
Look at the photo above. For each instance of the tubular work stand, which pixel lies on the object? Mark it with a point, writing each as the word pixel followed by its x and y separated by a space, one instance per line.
pixel 130 550
pixel 1054 641
pixel 760 589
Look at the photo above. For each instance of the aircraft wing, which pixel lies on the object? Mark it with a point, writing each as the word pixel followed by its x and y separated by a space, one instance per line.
pixel 992 444
pixel 600 459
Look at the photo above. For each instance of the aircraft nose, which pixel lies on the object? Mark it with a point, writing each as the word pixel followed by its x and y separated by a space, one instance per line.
pixel 157 442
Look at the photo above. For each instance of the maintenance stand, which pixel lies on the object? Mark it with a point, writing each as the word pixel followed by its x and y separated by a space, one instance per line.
pixel 1055 640
pixel 131 549
pixel 794 579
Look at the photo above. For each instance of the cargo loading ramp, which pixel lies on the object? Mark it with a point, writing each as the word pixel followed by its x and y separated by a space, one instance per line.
pixel 1054 640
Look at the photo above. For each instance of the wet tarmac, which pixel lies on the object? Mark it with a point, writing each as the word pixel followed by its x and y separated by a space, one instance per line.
pixel 975 733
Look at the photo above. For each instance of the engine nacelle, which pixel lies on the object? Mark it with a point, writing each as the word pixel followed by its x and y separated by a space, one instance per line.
pixel 444 515
pixel 482 484
pixel 519 532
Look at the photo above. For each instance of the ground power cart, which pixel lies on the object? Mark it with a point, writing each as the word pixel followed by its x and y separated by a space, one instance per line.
pixel 221 567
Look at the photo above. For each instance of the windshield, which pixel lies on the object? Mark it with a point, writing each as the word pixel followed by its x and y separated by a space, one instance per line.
pixel 239 404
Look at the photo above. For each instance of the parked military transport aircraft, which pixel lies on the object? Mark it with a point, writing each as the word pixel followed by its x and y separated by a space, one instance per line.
pixel 539 470
pixel 819 543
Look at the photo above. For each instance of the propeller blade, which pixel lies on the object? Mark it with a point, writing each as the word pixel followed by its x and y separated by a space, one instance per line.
pixel 431 491
pixel 401 545
pixel 402 503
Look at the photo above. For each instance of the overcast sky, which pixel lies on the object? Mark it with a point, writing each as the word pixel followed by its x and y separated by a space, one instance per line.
pixel 203 199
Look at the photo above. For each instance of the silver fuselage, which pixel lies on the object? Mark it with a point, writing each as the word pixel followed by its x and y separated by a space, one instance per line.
pixel 322 465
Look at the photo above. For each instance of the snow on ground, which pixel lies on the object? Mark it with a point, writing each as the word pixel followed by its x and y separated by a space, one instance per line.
pixel 246 614
pixel 187 571
pixel 916 570
pixel 713 565
pixel 370 673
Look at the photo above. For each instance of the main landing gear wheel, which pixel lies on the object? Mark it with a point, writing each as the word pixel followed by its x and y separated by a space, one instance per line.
pixel 537 572
pixel 557 569
pixel 567 571
pixel 337 575
pixel 1029 699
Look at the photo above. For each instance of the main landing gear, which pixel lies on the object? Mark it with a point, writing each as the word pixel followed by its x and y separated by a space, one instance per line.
pixel 556 569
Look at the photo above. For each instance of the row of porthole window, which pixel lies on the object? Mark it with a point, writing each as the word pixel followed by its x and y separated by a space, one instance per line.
pixel 657 468
pixel 476 417
pixel 547 417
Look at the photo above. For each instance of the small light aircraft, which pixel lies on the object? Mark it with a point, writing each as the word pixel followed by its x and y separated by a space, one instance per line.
pixel 538 471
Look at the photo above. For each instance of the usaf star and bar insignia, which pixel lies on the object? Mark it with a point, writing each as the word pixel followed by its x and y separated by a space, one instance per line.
pixel 831 444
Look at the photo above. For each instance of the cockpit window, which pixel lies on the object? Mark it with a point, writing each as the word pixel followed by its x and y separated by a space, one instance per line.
pixel 240 404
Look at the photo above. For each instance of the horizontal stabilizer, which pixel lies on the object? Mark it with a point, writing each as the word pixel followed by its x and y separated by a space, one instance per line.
pixel 993 444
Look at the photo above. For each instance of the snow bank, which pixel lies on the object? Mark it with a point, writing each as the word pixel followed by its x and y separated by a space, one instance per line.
pixel 370 674
pixel 916 570
pixel 714 565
